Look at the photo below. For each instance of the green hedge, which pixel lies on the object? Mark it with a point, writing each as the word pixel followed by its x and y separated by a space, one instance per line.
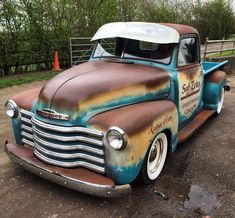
pixel 30 30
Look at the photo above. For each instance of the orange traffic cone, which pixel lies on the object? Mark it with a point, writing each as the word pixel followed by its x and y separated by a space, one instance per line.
pixel 56 66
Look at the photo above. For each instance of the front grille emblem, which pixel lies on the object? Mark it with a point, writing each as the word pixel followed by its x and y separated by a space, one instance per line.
pixel 48 113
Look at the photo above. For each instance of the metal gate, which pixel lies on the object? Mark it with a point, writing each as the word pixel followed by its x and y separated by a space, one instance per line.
pixel 80 49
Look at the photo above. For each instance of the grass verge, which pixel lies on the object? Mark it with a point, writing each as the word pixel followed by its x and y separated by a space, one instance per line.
pixel 25 78
pixel 223 54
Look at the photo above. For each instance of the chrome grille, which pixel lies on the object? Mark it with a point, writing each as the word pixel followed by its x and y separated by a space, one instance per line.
pixel 26 127
pixel 64 146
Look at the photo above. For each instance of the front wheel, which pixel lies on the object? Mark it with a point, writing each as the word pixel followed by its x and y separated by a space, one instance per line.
pixel 154 159
pixel 220 101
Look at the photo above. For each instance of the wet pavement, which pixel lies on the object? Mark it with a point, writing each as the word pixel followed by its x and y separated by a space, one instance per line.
pixel 198 179
pixel 201 200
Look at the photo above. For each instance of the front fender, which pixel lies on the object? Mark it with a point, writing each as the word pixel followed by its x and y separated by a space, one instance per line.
pixel 23 100
pixel 26 99
pixel 141 122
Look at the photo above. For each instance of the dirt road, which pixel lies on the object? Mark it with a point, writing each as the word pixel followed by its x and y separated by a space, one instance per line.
pixel 199 179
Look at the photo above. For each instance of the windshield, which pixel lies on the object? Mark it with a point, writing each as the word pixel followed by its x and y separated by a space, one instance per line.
pixel 133 49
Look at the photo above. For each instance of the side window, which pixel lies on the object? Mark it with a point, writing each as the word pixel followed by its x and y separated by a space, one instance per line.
pixel 188 51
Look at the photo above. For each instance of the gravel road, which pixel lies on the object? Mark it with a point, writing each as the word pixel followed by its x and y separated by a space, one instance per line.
pixel 199 178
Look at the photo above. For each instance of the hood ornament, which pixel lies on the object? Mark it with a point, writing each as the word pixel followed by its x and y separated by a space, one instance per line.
pixel 48 113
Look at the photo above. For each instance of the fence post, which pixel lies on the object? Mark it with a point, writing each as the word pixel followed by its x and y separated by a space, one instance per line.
pixel 204 56
pixel 221 48
pixel 233 46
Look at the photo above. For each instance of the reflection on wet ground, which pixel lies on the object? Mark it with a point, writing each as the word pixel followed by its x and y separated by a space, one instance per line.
pixel 201 200
pixel 180 187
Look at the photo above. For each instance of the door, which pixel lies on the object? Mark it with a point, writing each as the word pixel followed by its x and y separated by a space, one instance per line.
pixel 190 79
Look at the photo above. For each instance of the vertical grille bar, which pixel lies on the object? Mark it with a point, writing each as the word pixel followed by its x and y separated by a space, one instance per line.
pixel 26 127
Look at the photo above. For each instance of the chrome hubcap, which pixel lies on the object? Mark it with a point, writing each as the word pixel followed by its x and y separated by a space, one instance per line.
pixel 157 156
pixel 156 153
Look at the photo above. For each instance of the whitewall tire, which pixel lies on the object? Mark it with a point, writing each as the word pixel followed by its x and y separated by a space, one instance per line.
pixel 220 101
pixel 155 159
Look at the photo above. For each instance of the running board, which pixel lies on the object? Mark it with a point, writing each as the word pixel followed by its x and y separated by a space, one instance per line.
pixel 194 125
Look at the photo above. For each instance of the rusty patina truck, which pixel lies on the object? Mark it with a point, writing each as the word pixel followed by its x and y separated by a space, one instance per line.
pixel 98 126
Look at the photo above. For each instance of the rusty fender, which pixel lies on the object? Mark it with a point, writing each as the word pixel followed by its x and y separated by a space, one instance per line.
pixel 216 77
pixel 26 99
pixel 212 86
pixel 141 122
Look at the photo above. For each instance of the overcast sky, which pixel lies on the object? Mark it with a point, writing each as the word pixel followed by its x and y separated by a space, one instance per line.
pixel 232 3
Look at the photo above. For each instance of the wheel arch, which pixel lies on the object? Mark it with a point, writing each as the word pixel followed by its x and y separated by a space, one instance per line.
pixel 169 140
pixel 168 133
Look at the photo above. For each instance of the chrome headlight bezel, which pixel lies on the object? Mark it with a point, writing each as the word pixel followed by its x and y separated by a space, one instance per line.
pixel 12 109
pixel 112 135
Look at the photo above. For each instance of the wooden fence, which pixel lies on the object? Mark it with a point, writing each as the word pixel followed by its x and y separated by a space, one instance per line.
pixel 218 47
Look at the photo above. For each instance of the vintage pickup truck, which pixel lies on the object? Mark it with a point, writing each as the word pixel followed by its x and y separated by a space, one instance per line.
pixel 98 126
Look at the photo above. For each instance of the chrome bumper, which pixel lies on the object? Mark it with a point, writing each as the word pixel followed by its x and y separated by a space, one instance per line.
pixel 58 175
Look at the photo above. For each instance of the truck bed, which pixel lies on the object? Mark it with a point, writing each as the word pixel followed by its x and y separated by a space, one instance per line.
pixel 211 66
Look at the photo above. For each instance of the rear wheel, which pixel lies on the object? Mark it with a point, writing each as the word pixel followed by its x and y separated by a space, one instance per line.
pixel 154 159
pixel 220 101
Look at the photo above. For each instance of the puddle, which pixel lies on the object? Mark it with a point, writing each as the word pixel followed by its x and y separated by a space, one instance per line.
pixel 201 200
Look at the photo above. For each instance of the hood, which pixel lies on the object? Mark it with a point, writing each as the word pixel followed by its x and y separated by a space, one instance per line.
pixel 97 85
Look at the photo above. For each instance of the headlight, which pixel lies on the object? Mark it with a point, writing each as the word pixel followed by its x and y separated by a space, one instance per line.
pixel 116 138
pixel 11 109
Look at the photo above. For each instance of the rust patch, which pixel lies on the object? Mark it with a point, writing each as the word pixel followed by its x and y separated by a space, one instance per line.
pixel 189 71
pixel 93 78
pixel 216 77
pixel 182 29
pixel 25 99
pixel 81 174
pixel 51 87
pixel 141 115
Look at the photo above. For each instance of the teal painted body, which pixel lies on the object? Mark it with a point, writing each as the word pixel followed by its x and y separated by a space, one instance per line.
pixel 124 175
pixel 208 98
pixel 16 123
pixel 208 67
pixel 81 118
pixel 211 94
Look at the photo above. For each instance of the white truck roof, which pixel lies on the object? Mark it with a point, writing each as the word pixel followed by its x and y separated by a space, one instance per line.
pixel 143 31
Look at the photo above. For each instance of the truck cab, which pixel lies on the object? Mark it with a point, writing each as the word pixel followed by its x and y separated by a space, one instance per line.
pixel 98 126
pixel 183 58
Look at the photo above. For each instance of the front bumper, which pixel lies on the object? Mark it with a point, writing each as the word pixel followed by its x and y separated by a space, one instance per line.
pixel 79 179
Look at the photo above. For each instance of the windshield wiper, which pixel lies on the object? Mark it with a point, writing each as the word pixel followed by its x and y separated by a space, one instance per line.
pixel 112 59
